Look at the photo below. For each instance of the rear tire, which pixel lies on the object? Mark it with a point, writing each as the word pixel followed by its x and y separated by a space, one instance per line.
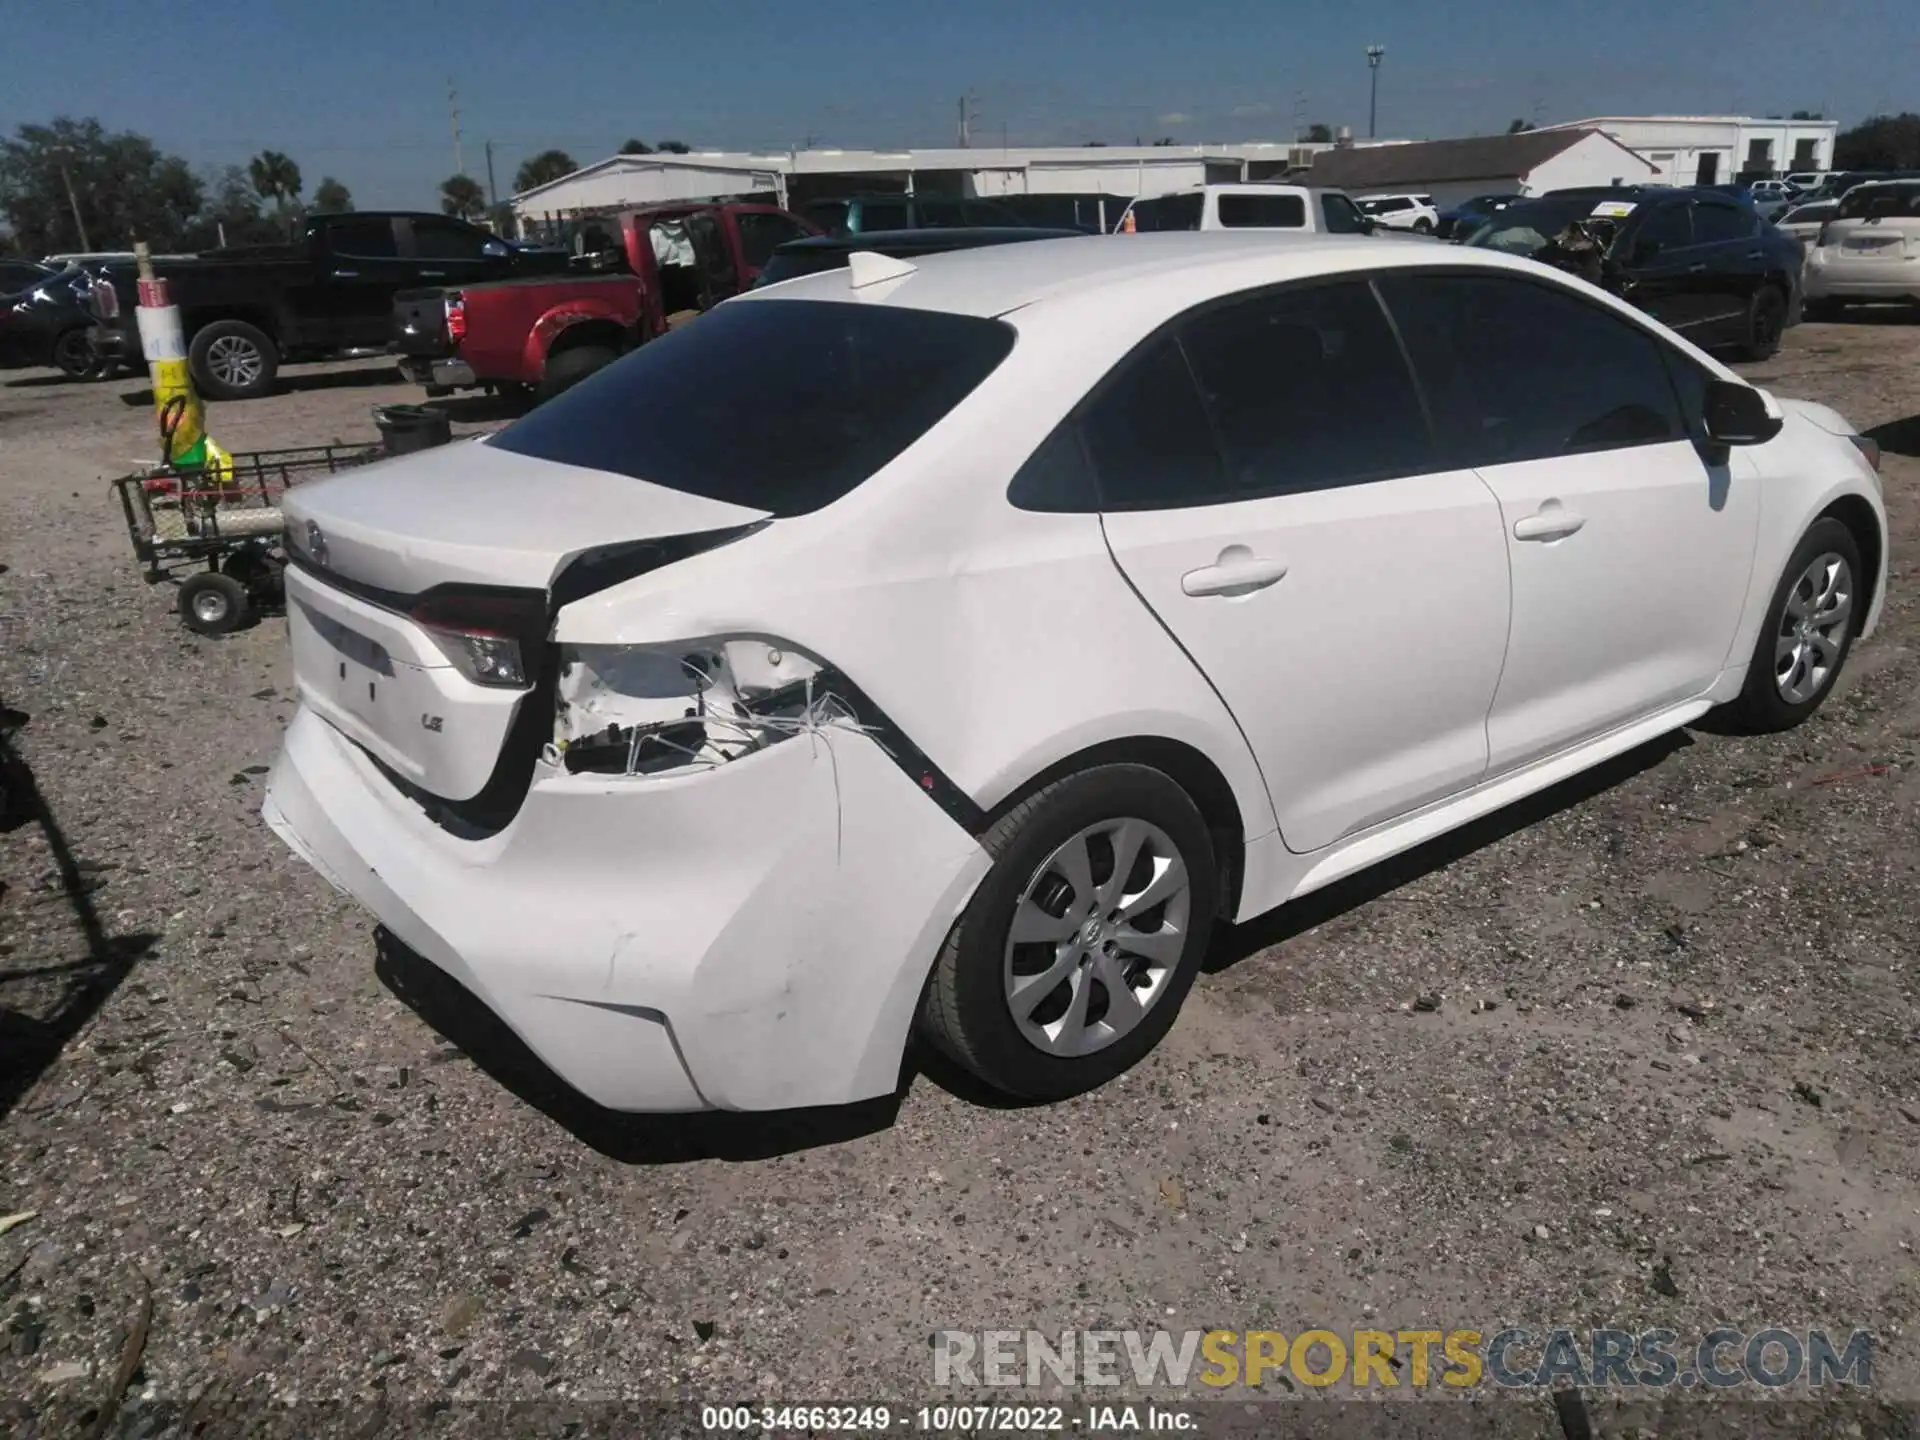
pixel 212 603
pixel 988 1004
pixel 1423 227
pixel 75 357
pixel 232 360
pixel 570 367
pixel 1820 602
pixel 1766 323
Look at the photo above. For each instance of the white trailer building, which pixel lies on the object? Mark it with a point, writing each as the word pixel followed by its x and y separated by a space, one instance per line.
pixel 1713 149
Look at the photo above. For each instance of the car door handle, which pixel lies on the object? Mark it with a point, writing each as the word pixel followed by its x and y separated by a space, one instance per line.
pixel 1755 254
pixel 346 274
pixel 433 274
pixel 1551 523
pixel 1232 574
pixel 1699 269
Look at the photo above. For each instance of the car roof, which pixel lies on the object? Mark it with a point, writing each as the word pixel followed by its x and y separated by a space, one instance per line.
pixel 993 280
pixel 1236 187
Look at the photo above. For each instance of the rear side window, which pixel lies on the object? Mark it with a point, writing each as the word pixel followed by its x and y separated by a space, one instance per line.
pixel 1168 212
pixel 441 240
pixel 1308 389
pixel 1342 215
pixel 370 238
pixel 829 215
pixel 1149 439
pixel 783 406
pixel 884 215
pixel 1264 212
pixel 1866 202
pixel 1523 371
pixel 760 231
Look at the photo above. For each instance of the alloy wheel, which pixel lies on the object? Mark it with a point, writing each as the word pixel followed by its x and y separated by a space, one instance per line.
pixel 1096 935
pixel 1813 628
pixel 236 361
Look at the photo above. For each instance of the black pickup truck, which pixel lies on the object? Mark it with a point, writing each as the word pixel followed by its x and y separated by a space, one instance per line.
pixel 247 309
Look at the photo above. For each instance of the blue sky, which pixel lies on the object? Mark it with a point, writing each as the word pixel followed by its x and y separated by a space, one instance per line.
pixel 357 89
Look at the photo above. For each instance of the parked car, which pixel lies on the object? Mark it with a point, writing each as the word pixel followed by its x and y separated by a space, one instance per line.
pixel 1869 250
pixel 1804 182
pixel 18 275
pixel 1460 221
pixel 710 723
pixel 246 309
pixel 49 324
pixel 544 333
pixel 1771 190
pixel 1803 220
pixel 1311 210
pixel 1401 212
pixel 858 214
pixel 814 253
pixel 1696 259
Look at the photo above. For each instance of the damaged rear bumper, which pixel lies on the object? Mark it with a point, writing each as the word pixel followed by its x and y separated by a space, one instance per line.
pixel 753 936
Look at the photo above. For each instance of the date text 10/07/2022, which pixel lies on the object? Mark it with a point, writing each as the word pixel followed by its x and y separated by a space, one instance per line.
pixel 945 1419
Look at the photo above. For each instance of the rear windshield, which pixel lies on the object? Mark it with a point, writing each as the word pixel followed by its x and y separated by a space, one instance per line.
pixel 1168 212
pixel 778 405
pixel 1868 201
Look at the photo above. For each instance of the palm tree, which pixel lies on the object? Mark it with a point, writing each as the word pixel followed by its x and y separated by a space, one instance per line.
pixel 547 165
pixel 275 178
pixel 461 196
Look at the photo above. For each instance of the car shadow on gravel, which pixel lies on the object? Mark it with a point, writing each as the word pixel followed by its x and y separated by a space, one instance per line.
pixel 297 383
pixel 1898 437
pixel 457 1016
pixel 43 1006
pixel 1240 942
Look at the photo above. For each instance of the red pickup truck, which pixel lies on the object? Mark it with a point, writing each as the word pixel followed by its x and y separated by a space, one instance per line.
pixel 544 333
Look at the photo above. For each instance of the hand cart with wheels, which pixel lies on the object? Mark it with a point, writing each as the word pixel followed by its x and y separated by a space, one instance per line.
pixel 217 528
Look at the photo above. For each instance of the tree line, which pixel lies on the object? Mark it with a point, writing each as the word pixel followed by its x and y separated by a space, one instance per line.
pixel 461 195
pixel 75 185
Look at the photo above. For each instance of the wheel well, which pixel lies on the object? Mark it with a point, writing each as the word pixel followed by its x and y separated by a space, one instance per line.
pixel 200 319
pixel 588 332
pixel 1186 767
pixel 1857 515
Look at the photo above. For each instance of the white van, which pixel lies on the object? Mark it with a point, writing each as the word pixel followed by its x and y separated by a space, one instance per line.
pixel 1304 208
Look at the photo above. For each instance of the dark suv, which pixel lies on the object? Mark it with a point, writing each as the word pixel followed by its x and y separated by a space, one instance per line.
pixel 858 214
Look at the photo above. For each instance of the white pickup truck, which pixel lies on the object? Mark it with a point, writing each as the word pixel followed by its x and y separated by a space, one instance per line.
pixel 1307 209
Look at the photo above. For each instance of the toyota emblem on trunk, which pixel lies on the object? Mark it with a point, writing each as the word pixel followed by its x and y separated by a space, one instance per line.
pixel 316 544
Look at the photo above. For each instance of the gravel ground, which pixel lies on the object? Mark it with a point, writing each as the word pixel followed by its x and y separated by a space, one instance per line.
pixel 1641 1053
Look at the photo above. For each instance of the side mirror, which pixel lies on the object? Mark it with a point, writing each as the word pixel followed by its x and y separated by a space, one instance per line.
pixel 1737 414
pixel 495 250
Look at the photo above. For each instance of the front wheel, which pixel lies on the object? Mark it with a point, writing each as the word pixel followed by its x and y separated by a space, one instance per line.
pixel 1423 227
pixel 1808 632
pixel 1074 954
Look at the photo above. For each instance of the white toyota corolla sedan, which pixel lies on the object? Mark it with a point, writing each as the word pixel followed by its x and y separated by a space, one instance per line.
pixel 951 645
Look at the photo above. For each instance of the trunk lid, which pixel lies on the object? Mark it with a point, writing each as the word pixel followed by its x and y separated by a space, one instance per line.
pixel 368 543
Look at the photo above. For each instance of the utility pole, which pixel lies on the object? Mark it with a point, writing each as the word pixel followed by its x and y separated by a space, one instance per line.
pixel 1375 54
pixel 73 202
pixel 968 114
pixel 453 110
pixel 493 196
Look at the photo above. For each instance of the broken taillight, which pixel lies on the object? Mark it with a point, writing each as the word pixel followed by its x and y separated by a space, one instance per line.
pixel 456 317
pixel 489 635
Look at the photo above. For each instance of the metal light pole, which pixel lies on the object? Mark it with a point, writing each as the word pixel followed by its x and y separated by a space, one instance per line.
pixel 1375 54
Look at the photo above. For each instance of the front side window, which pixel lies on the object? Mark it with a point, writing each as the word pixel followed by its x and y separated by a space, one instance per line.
pixel 1263 212
pixel 437 240
pixel 1519 370
pixel 1670 227
pixel 777 405
pixel 1307 390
